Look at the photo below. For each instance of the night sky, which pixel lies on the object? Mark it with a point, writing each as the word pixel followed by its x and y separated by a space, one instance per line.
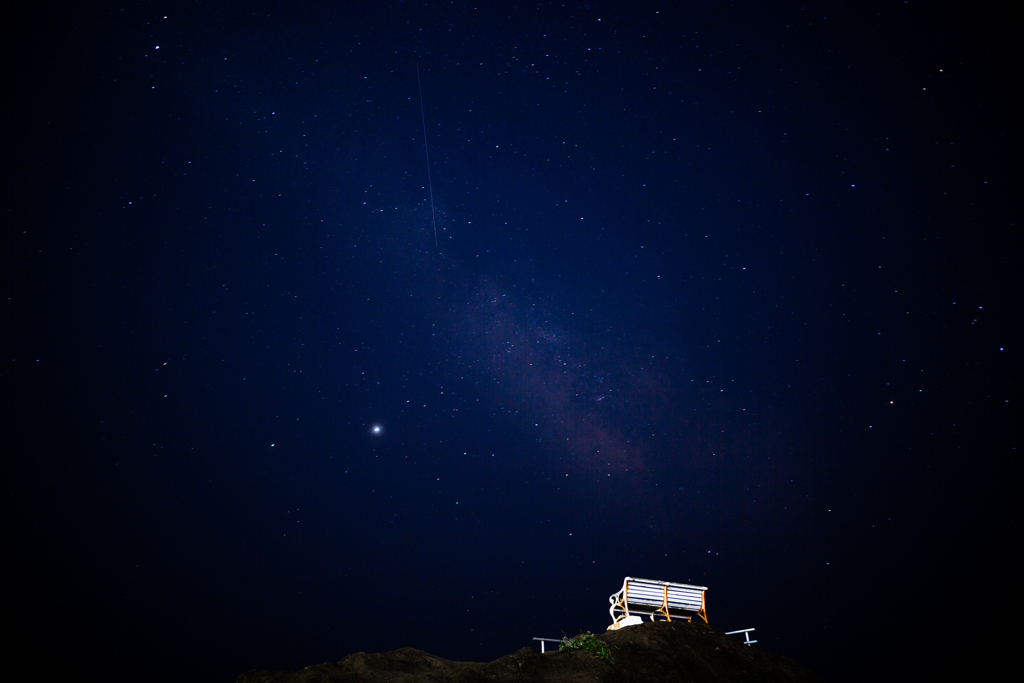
pixel 721 294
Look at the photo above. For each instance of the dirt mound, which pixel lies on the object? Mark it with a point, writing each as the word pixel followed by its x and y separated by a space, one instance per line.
pixel 662 652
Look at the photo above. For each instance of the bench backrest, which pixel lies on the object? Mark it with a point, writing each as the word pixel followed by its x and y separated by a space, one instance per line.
pixel 652 594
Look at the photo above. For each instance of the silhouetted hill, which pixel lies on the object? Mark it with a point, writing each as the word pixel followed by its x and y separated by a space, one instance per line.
pixel 662 652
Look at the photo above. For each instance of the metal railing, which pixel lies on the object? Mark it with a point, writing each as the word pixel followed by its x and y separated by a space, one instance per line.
pixel 746 634
pixel 746 638
pixel 549 640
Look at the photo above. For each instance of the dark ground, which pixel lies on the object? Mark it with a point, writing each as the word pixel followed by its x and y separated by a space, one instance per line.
pixel 650 652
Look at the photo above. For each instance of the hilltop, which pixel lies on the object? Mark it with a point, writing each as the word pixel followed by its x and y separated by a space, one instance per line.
pixel 662 652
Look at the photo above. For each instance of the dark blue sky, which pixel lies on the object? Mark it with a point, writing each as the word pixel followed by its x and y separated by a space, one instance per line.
pixel 723 295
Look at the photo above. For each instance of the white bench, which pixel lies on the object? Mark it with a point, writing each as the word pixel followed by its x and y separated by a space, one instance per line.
pixel 643 596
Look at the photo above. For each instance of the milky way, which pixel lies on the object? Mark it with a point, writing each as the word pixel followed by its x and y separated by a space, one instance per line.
pixel 599 397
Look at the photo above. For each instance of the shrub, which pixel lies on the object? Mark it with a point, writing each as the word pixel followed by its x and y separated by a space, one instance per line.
pixel 587 642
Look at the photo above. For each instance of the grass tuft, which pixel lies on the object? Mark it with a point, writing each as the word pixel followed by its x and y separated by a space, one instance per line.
pixel 587 642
